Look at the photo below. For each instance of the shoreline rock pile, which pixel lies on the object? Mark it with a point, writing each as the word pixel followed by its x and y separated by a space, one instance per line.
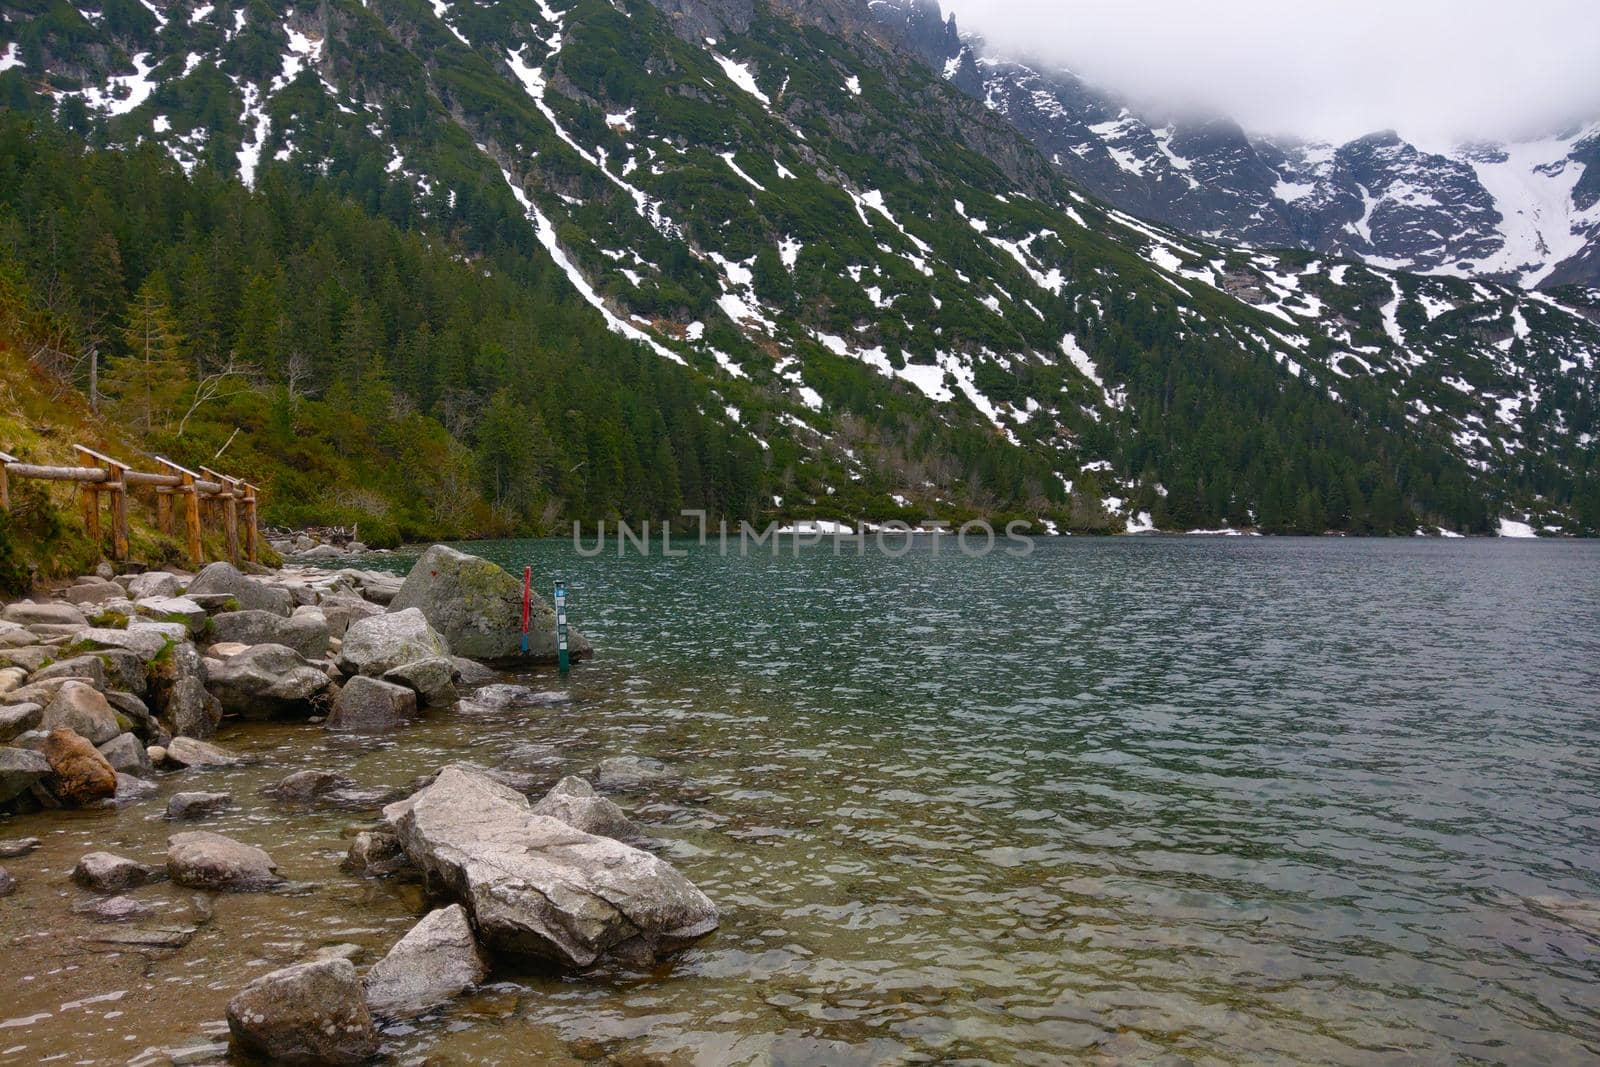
pixel 115 680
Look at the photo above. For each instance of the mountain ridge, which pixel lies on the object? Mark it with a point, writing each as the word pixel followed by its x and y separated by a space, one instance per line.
pixel 870 277
pixel 1523 212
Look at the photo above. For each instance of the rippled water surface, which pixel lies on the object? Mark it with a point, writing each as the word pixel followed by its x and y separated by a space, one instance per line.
pixel 1122 801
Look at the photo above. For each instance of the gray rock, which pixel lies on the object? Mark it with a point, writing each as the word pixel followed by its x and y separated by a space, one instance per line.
pixel 368 705
pixel 538 887
pixel 145 725
pixel 374 853
pixel 131 788
pixel 477 608
pixel 29 657
pixel 306 786
pixel 471 672
pixel 267 681
pixel 19 718
pixel 380 643
pixel 114 909
pixel 8 884
pixel 209 1052
pixel 192 752
pixel 81 708
pixel 316 552
pixel 20 769
pixel 431 678
pixel 575 803
pixel 630 774
pixel 154 584
pixel 106 872
pixel 355 548
pixel 174 609
pixel 11 678
pixel 86 668
pixel 251 594
pixel 178 692
pixel 124 670
pixel 435 963
pixel 147 642
pixel 197 805
pixel 15 635
pixel 27 613
pixel 126 754
pixel 200 859
pixel 311 1014
pixel 11 848
pixel 341 609
pixel 93 592
pixel 306 634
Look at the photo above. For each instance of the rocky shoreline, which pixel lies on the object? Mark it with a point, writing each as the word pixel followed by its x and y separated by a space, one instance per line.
pixel 116 682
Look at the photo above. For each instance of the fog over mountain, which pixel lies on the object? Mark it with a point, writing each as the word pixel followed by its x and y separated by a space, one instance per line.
pixel 1439 71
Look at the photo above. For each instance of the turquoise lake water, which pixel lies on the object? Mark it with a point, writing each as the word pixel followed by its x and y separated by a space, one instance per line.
pixel 1124 801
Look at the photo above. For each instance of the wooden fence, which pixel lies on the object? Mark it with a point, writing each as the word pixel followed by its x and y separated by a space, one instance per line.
pixel 207 495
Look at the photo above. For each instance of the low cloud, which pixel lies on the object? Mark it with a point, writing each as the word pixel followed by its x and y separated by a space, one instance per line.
pixel 1436 70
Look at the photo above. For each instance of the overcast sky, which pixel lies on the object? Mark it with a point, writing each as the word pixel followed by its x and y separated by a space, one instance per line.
pixel 1437 70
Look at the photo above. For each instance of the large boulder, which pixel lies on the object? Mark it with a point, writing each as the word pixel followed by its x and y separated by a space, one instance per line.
pixel 81 708
pixel 154 584
pixel 27 613
pixel 538 887
pixel 368 705
pixel 306 633
pixel 477 608
pixel 342 609
pixel 267 681
pixel 200 859
pixel 20 769
pixel 79 774
pixel 176 609
pixel 575 803
pixel 147 642
pixel 178 692
pixel 18 719
pixel 433 679
pixel 434 963
pixel 252 595
pixel 380 643
pixel 309 1014
pixel 95 591
pixel 125 753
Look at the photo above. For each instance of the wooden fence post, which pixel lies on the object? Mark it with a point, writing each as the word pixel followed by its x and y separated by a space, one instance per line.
pixel 164 510
pixel 5 481
pixel 191 509
pixel 252 536
pixel 230 510
pixel 89 500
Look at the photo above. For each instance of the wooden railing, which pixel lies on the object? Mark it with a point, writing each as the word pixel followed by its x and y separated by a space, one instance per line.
pixel 216 496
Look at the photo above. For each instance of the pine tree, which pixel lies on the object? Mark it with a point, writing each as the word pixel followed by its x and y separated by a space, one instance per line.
pixel 148 381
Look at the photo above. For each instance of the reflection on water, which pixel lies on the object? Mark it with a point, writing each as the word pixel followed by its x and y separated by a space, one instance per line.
pixel 1286 801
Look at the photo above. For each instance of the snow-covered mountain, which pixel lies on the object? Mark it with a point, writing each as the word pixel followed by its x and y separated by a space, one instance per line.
pixel 1526 213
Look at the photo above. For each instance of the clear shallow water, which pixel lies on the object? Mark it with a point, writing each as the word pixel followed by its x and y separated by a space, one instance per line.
pixel 1127 801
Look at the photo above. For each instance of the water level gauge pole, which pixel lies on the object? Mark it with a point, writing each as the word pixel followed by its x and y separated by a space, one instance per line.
pixel 527 603
pixel 561 626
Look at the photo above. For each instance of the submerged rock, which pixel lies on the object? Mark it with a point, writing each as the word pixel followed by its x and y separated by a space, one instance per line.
pixel 203 860
pixel 630 774
pixel 536 886
pixel 197 805
pixel 11 848
pixel 434 963
pixel 374 853
pixel 575 803
pixel 191 752
pixel 380 643
pixel 312 1014
pixel 477 607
